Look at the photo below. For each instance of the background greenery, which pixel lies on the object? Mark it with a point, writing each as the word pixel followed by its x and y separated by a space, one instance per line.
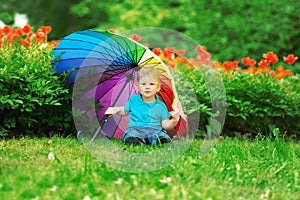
pixel 229 29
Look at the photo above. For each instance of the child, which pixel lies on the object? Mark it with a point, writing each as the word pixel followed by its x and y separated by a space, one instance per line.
pixel 148 116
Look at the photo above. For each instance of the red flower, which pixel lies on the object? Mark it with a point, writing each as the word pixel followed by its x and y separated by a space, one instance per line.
pixel 135 37
pixel 19 31
pixel 46 29
pixel 40 35
pixel 168 53
pixel 228 65
pixel 263 63
pixel 157 51
pixel 201 49
pixel 247 61
pixel 20 41
pixel 290 59
pixel 27 28
pixel 54 43
pixel 271 57
pixel 203 54
pixel 6 29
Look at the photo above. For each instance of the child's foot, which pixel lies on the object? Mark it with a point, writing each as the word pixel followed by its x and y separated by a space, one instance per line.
pixel 132 141
pixel 163 140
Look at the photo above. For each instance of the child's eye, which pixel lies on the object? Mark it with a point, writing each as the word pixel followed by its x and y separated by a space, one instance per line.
pixel 152 83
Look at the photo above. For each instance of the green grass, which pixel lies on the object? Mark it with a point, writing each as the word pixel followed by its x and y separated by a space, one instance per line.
pixel 233 169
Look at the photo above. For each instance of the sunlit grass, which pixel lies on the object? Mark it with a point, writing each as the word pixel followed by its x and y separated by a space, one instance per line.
pixel 233 169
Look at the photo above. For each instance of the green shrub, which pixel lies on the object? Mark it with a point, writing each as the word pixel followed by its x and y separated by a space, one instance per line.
pixel 33 100
pixel 254 102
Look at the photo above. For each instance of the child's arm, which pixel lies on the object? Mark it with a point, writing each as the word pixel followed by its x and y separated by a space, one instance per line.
pixel 116 111
pixel 168 124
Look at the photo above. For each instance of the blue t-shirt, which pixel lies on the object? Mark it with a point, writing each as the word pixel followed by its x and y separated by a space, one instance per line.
pixel 143 114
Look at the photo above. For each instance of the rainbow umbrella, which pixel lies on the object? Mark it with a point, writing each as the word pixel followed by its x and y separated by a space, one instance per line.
pixel 102 67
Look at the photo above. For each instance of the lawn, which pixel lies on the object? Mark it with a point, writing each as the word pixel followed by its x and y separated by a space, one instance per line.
pixel 233 169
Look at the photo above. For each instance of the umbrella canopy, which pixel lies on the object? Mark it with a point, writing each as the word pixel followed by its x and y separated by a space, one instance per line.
pixel 105 65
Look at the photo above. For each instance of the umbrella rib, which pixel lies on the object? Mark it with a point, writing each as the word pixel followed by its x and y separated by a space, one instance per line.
pixel 108 51
pixel 128 49
pixel 90 50
pixel 149 60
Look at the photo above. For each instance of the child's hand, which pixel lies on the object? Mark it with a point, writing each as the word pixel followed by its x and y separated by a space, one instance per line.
pixel 175 114
pixel 116 111
pixel 110 111
pixel 170 123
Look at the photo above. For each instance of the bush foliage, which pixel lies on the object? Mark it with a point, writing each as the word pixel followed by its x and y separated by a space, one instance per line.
pixel 33 101
pixel 255 103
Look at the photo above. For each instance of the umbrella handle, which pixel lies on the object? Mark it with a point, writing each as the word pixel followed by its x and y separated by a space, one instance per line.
pixel 78 134
pixel 100 127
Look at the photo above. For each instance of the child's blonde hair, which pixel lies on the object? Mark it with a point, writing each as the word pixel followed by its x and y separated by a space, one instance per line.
pixel 149 71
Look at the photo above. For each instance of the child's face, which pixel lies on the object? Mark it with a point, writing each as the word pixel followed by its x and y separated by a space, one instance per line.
pixel 148 86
